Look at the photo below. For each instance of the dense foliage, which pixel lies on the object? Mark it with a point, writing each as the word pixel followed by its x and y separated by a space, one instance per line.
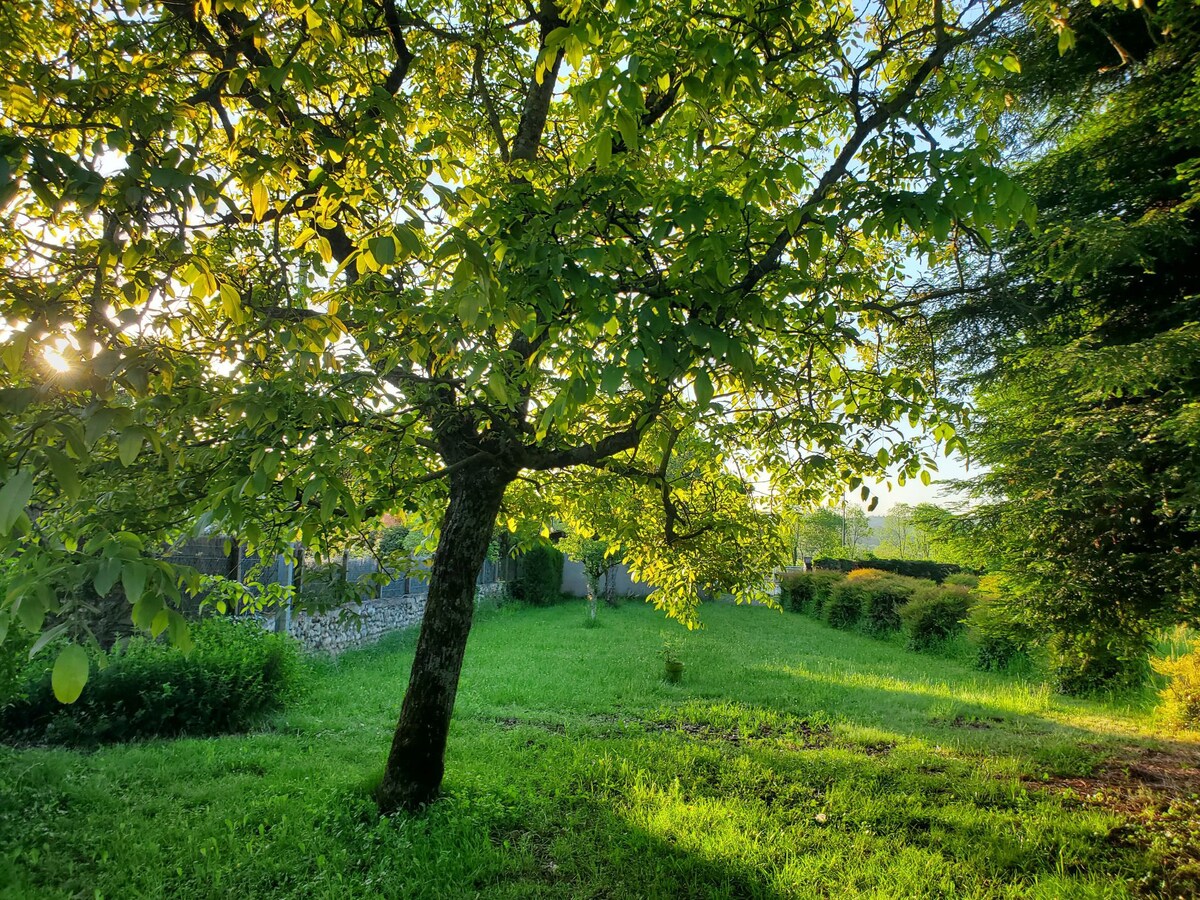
pixel 1082 340
pixel 934 615
pixel 911 568
pixel 539 576
pixel 234 674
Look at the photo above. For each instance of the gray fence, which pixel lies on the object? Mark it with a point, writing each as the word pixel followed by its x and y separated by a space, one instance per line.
pixel 225 557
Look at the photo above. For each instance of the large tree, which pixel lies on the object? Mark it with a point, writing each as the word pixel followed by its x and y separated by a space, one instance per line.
pixel 1080 340
pixel 281 266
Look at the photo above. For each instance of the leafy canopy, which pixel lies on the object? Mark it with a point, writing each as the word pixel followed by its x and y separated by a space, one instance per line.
pixel 277 266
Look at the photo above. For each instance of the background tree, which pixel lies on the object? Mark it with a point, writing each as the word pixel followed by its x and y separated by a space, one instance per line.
pixel 284 267
pixel 1080 337
pixel 901 536
pixel 592 554
pixel 816 532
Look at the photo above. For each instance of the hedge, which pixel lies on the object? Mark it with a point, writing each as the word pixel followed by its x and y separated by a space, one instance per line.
pixel 910 568
pixel 539 576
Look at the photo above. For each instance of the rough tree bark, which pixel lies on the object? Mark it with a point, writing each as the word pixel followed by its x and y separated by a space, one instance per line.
pixel 416 763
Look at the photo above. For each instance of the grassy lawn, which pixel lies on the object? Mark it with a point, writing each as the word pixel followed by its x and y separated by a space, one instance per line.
pixel 793 761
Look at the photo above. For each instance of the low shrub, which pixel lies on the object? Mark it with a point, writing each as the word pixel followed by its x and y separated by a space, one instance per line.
pixel 807 592
pixel 539 576
pixel 845 605
pixel 14 657
pixel 934 615
pixel 882 599
pixel 1099 662
pixel 235 673
pixel 999 632
pixel 1181 697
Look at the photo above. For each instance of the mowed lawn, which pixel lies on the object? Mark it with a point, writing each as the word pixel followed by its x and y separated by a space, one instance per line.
pixel 793 761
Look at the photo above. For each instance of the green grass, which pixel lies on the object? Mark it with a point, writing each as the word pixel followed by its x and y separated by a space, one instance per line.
pixel 793 761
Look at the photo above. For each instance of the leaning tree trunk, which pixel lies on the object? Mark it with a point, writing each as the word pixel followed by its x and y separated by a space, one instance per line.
pixel 416 762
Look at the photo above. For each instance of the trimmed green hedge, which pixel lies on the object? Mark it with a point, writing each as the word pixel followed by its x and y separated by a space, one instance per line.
pixel 235 673
pixel 807 592
pixel 910 568
pixel 934 615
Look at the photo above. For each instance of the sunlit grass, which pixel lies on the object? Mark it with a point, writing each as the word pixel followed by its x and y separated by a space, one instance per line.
pixel 793 761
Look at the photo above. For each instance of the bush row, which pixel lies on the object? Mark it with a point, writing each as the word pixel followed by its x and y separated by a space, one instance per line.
pixel 929 615
pixel 235 673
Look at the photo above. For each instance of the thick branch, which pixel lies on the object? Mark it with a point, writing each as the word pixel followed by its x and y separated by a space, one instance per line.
pixel 540 93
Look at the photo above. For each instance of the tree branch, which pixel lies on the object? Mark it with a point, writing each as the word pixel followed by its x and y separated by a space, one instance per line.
pixel 883 114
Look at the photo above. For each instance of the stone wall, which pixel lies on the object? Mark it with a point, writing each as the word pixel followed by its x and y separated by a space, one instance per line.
pixel 364 623
pixel 358 624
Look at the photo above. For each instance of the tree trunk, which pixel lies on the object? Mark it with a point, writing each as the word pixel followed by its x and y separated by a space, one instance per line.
pixel 593 588
pixel 415 765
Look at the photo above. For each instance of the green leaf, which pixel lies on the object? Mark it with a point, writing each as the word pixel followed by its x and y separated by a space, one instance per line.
pixel 408 239
pixel 47 636
pixel 177 627
pixel 159 625
pixel 925 477
pixel 64 471
pixel 14 497
pixel 1066 40
pixel 129 444
pixel 107 575
pixel 32 612
pixel 146 610
pixel 383 249
pixel 470 305
pixel 704 388
pixel 260 200
pixel 612 379
pixel 133 579
pixel 70 674
pixel 627 126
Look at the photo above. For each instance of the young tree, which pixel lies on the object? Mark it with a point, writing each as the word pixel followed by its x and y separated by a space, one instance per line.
pixel 593 556
pixel 816 532
pixel 285 266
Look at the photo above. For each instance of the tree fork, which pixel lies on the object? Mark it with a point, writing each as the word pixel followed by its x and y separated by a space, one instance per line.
pixel 416 763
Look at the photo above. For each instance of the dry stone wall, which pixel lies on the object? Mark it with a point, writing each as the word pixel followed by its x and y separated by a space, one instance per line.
pixel 358 624
pixel 364 623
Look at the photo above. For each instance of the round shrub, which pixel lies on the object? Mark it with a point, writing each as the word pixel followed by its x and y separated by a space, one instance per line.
pixel 539 576
pixel 999 633
pixel 845 603
pixel 235 673
pixel 1181 697
pixel 807 592
pixel 882 599
pixel 934 615
pixel 1099 662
